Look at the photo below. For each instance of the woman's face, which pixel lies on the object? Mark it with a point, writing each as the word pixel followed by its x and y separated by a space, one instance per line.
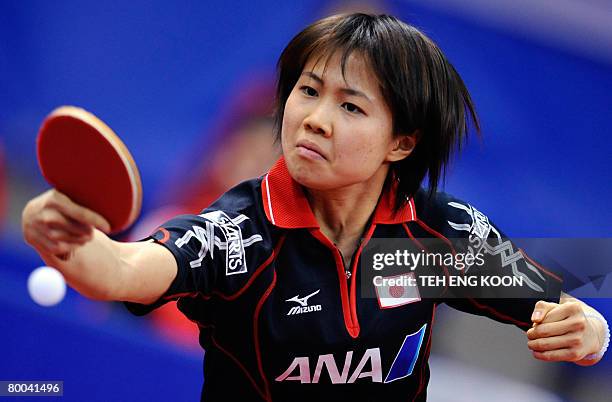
pixel 337 131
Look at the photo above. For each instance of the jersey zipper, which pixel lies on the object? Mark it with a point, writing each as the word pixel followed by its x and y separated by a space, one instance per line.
pixel 348 298
pixel 347 272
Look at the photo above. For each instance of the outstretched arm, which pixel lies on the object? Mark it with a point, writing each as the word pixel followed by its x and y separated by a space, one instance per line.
pixel 568 331
pixel 71 238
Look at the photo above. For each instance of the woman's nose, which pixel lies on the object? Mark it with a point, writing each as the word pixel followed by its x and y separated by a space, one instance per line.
pixel 318 121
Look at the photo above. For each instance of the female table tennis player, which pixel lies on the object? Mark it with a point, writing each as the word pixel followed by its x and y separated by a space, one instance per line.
pixel 367 107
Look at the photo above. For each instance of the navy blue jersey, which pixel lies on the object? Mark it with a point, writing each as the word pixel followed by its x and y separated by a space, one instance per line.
pixel 282 318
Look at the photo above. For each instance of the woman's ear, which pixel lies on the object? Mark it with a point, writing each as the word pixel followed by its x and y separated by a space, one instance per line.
pixel 403 145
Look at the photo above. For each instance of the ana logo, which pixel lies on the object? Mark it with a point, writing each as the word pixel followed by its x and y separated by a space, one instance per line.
pixel 369 366
pixel 232 242
pixel 303 304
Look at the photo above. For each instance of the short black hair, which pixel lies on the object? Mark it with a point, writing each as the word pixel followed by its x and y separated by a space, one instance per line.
pixel 424 92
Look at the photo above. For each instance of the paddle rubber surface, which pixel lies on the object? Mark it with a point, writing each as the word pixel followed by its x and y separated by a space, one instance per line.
pixel 83 158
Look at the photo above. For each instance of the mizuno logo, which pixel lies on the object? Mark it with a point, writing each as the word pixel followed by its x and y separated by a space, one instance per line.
pixel 303 301
pixel 303 304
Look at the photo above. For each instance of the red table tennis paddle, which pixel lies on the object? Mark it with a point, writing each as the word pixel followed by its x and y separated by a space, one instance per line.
pixel 83 158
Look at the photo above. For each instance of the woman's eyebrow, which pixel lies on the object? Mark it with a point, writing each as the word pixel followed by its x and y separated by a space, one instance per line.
pixel 348 91
pixel 313 76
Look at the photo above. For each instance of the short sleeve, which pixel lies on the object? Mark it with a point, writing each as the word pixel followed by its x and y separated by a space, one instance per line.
pixel 508 282
pixel 206 247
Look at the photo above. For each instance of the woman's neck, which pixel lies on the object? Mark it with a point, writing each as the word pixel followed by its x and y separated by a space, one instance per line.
pixel 342 213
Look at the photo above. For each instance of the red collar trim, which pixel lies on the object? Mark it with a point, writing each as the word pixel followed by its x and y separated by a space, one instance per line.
pixel 286 205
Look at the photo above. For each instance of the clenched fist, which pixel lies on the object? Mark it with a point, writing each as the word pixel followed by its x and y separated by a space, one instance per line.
pixel 562 332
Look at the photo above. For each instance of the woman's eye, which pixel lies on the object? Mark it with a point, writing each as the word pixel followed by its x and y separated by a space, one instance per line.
pixel 351 108
pixel 308 91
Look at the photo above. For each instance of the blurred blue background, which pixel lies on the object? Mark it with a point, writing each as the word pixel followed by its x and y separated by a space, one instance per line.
pixel 159 73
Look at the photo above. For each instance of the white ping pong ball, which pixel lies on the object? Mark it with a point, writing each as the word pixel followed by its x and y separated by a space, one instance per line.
pixel 46 286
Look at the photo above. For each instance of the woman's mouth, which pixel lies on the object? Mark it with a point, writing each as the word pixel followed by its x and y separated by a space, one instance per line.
pixel 310 150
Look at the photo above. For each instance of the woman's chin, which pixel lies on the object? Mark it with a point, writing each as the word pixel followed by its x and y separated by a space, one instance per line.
pixel 311 181
pixel 308 177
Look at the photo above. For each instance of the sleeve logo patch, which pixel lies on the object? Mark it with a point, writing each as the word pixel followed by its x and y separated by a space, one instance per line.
pixel 231 241
pixel 484 236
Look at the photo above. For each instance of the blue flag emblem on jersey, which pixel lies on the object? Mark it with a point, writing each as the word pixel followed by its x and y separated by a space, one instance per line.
pixel 407 356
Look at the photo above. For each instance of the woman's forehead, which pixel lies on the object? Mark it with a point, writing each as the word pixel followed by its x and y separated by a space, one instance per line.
pixel 354 66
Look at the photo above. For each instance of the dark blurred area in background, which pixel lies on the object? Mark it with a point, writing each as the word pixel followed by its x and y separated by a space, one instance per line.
pixel 189 87
pixel 240 146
